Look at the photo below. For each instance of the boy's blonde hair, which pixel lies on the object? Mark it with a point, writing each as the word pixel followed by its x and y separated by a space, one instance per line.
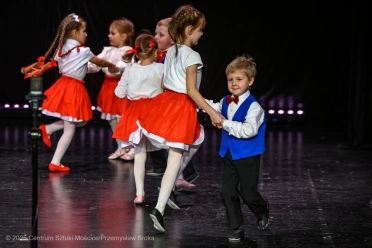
pixel 243 63
pixel 164 22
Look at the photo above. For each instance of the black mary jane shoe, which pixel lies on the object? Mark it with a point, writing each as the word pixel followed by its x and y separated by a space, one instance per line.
pixel 157 218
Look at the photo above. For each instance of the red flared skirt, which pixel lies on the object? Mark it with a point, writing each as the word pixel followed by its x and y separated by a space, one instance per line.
pixel 68 99
pixel 128 122
pixel 173 117
pixel 108 103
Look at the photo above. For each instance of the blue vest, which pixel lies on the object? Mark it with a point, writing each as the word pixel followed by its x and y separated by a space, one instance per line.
pixel 242 147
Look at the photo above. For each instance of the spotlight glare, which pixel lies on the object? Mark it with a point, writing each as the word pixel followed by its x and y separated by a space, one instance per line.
pixel 300 112
pixel 280 111
pixel 6 105
pixel 16 105
pixel 197 110
pixel 25 106
pixel 290 112
pixel 93 108
pixel 271 111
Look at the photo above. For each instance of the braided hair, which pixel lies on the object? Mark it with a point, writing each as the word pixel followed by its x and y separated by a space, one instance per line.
pixel 68 24
pixel 184 16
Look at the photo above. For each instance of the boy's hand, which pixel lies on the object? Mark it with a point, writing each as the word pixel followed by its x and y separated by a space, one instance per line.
pixel 218 125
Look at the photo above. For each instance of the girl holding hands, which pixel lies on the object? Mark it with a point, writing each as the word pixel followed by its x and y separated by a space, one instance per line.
pixel 67 99
pixel 171 120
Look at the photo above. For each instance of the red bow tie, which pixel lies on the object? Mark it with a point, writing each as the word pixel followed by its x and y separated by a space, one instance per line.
pixel 230 99
pixel 161 55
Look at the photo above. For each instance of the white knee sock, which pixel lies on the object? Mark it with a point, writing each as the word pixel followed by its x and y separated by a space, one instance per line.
pixel 169 177
pixel 140 156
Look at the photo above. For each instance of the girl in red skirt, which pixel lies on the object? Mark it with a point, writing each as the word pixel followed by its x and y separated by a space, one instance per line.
pixel 67 98
pixel 140 83
pixel 121 34
pixel 171 120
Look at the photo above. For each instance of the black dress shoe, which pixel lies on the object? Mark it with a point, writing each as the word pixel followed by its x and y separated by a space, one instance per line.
pixel 236 236
pixel 157 218
pixel 155 172
pixel 263 220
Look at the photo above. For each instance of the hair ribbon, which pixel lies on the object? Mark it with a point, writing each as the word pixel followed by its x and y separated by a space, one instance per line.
pixel 151 43
pixel 134 50
pixel 76 17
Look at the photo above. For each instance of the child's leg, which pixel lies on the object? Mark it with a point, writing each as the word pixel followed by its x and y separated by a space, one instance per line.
pixel 139 167
pixel 186 157
pixel 248 172
pixel 65 140
pixel 230 193
pixel 181 184
pixel 189 173
pixel 169 177
pixel 53 127
pixel 113 123
pixel 159 161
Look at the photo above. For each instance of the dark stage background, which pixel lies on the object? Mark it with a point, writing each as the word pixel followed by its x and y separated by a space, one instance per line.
pixel 311 55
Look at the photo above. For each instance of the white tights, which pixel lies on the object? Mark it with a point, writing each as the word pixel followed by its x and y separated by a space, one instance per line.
pixel 169 177
pixel 140 156
pixel 113 123
pixel 186 157
pixel 65 140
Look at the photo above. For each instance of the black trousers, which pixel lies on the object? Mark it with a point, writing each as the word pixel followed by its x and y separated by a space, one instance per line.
pixel 240 178
pixel 159 160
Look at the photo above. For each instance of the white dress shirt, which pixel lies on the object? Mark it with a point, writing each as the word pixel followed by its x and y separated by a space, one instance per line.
pixel 253 120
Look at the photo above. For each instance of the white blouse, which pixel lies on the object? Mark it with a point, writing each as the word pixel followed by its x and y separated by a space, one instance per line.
pixel 140 81
pixel 115 56
pixel 75 63
pixel 175 68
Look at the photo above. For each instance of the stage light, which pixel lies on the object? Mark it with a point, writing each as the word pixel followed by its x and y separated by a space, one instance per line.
pixel 271 111
pixel 25 106
pixel 93 108
pixel 300 112
pixel 280 111
pixel 197 110
pixel 290 112
pixel 6 105
pixel 16 106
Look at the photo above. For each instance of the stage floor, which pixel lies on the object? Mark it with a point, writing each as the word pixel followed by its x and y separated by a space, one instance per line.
pixel 319 195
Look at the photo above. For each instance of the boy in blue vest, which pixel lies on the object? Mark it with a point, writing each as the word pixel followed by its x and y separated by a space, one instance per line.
pixel 242 143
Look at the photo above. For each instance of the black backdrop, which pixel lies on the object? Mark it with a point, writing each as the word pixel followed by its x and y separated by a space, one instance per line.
pixel 313 54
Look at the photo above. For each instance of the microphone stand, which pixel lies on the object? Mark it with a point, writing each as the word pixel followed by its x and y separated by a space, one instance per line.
pixel 35 98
